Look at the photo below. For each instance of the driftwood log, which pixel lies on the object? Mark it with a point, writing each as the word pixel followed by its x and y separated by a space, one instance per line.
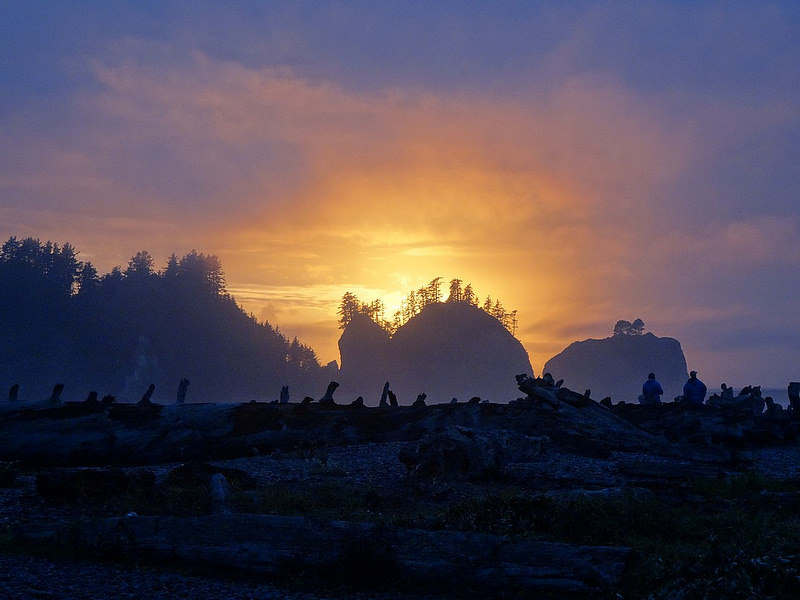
pixel 273 546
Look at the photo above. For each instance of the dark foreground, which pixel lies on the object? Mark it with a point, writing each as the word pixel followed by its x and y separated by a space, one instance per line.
pixel 554 496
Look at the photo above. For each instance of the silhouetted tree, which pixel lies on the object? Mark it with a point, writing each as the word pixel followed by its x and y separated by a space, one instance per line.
pixel 637 327
pixel 348 308
pixel 111 282
pixel 411 306
pixel 469 295
pixel 512 322
pixel 171 269
pixel 456 295
pixel 417 300
pixel 202 270
pixel 60 320
pixel 623 327
pixel 141 265
pixel 435 290
pixel 375 311
pixel 44 268
pixel 87 280
pixel 301 357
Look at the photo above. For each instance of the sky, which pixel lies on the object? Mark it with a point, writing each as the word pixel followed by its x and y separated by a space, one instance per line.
pixel 583 162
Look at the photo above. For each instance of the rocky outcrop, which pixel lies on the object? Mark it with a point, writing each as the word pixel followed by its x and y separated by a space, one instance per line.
pixel 365 359
pixel 449 350
pixel 735 427
pixel 617 366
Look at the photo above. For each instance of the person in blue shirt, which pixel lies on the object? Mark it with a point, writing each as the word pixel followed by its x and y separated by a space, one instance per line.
pixel 694 390
pixel 651 391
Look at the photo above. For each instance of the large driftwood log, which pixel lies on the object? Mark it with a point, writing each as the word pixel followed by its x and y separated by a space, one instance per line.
pixel 273 546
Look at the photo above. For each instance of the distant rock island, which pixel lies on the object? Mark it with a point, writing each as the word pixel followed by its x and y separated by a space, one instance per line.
pixel 616 366
pixel 449 349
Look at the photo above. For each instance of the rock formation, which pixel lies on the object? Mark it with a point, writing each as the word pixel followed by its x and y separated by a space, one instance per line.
pixel 447 350
pixel 617 366
pixel 365 364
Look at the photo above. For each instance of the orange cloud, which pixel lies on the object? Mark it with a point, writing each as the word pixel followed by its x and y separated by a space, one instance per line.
pixel 323 189
pixel 546 199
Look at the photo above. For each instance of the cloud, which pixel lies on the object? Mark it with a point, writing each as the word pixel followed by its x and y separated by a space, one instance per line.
pixel 607 179
pixel 308 183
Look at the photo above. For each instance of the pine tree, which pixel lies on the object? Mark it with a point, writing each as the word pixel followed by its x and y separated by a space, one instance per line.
pixel 348 308
pixel 469 295
pixel 456 295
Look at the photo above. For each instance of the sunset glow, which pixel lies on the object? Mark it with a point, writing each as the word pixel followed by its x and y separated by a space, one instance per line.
pixel 587 165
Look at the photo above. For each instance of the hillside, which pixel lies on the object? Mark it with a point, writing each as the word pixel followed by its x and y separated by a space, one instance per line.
pixel 118 333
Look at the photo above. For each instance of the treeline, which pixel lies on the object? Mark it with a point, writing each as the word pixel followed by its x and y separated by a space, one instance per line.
pixel 417 300
pixel 623 327
pixel 121 331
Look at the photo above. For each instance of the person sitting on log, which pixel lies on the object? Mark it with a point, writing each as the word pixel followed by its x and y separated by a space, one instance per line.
pixel 651 391
pixel 694 390
pixel 773 409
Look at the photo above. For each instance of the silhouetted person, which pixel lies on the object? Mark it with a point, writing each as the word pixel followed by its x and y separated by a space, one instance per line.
pixel 727 393
pixel 55 397
pixel 385 395
pixel 284 395
pixel 13 392
pixel 773 409
pixel 328 397
pixel 651 391
pixel 183 387
pixel 794 396
pixel 694 390
pixel 147 395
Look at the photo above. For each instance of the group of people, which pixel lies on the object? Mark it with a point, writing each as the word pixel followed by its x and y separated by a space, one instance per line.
pixel 694 391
